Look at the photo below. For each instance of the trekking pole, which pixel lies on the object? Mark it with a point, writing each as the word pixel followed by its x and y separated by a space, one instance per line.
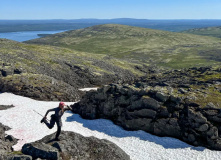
pixel 39 114
pixel 69 108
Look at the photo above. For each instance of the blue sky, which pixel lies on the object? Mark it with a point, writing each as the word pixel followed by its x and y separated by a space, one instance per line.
pixel 107 9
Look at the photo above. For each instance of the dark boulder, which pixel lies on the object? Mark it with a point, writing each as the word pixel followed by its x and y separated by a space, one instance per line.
pixel 3 107
pixel 145 113
pixel 74 146
pixel 196 117
pixel 167 127
pixel 40 150
pixel 150 103
pixel 162 97
pixel 139 124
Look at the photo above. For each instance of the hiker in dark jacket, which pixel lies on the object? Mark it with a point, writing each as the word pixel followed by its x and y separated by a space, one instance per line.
pixel 55 118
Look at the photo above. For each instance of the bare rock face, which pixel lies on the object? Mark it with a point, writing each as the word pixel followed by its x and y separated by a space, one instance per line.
pixel 74 146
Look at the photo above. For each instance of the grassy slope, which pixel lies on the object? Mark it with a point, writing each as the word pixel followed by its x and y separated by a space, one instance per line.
pixel 168 49
pixel 209 31
pixel 47 69
pixel 37 58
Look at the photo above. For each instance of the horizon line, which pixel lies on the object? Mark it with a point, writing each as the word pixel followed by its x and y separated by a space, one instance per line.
pixel 102 19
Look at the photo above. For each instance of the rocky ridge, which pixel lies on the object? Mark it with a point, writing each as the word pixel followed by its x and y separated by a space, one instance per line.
pixel 6 143
pixel 162 106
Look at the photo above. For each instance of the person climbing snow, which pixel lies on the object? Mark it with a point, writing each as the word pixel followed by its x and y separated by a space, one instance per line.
pixel 56 118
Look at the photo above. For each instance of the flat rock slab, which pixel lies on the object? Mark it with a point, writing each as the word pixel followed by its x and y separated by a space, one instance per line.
pixel 74 146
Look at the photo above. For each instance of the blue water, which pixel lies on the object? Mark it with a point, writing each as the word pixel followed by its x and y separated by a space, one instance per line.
pixel 26 35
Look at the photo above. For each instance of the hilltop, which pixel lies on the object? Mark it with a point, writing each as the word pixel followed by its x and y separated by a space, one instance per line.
pixel 140 45
pixel 208 31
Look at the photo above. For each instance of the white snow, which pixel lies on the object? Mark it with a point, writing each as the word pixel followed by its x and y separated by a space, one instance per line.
pixel 26 127
pixel 87 89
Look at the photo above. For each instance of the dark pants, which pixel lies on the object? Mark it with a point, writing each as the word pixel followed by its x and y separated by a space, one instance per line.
pixel 51 125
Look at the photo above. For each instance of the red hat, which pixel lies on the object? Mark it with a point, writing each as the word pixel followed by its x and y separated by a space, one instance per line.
pixel 61 103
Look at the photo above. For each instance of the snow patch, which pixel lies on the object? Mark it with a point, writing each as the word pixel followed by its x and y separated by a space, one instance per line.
pixel 26 127
pixel 87 89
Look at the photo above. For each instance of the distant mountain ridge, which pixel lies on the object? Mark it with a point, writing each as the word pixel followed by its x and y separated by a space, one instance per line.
pixel 70 24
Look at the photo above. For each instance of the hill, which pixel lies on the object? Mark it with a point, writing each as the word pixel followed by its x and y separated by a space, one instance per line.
pixel 53 73
pixel 56 66
pixel 140 45
pixel 208 31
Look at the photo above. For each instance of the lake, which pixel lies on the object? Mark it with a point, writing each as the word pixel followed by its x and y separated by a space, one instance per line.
pixel 25 35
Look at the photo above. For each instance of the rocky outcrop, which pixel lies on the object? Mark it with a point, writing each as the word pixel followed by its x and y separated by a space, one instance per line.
pixel 6 141
pixel 40 87
pixel 154 111
pixel 74 146
pixel 57 86
pixel 37 86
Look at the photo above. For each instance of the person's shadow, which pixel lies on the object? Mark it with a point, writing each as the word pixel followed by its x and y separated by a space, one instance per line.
pixel 109 128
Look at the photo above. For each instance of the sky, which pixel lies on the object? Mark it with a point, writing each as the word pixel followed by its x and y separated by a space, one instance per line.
pixel 108 9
